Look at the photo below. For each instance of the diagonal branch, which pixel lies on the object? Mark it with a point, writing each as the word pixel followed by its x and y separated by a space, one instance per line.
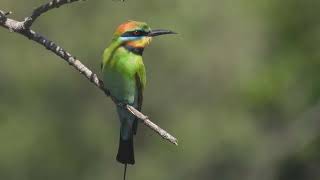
pixel 23 28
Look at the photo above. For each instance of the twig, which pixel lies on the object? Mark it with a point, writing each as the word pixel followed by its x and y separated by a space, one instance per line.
pixel 43 9
pixel 23 28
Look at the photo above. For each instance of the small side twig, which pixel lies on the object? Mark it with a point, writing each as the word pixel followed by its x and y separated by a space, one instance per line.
pixel 28 21
pixel 23 28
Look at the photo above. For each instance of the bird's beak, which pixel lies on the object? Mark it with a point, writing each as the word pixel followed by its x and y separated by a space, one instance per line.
pixel 158 32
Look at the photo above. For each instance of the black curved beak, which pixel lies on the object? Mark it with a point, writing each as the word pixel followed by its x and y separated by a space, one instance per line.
pixel 158 32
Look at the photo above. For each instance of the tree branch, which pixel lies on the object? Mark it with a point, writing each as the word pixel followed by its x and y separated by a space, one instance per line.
pixel 23 28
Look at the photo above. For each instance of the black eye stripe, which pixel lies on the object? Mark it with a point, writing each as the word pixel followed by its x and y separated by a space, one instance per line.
pixel 135 33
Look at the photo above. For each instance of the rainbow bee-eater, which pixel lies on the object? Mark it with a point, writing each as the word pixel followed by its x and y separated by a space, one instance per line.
pixel 124 75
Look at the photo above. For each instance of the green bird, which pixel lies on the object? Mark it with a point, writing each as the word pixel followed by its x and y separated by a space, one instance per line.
pixel 124 75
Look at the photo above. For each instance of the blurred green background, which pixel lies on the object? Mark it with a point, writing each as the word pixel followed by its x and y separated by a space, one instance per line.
pixel 239 87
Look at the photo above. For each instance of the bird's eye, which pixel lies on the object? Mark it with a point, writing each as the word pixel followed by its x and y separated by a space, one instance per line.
pixel 136 33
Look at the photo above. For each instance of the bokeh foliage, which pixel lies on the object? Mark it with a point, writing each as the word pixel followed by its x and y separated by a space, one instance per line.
pixel 239 86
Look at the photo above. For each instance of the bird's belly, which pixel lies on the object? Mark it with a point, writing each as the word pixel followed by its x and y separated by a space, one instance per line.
pixel 120 86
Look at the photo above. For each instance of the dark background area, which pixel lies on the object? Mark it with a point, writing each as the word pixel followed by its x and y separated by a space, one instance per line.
pixel 239 86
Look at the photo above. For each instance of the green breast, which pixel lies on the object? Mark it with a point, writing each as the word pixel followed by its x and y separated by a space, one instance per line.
pixel 119 70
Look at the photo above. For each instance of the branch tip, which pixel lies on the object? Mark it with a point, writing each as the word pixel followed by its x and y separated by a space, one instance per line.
pixel 4 13
pixel 8 13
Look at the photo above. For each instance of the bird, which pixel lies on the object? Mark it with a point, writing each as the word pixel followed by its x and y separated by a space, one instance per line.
pixel 124 77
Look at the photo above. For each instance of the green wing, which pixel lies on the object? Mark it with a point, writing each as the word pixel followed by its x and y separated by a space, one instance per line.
pixel 140 83
pixel 141 73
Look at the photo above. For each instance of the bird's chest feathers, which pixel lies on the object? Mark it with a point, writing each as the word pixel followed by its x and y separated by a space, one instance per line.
pixel 126 64
pixel 119 75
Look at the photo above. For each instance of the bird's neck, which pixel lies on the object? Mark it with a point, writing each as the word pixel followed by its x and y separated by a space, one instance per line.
pixel 134 50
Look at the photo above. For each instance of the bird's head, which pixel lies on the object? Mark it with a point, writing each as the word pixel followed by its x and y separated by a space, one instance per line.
pixel 137 34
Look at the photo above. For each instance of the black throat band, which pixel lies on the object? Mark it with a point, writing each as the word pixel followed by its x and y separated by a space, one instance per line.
pixel 134 50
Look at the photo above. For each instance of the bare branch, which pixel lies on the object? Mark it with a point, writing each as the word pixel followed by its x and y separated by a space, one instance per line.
pixel 43 9
pixel 145 119
pixel 23 28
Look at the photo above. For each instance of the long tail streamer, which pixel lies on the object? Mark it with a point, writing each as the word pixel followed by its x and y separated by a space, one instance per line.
pixel 125 172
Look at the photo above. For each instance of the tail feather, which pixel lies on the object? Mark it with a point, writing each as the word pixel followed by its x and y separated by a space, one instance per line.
pixel 125 172
pixel 125 152
pixel 135 126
